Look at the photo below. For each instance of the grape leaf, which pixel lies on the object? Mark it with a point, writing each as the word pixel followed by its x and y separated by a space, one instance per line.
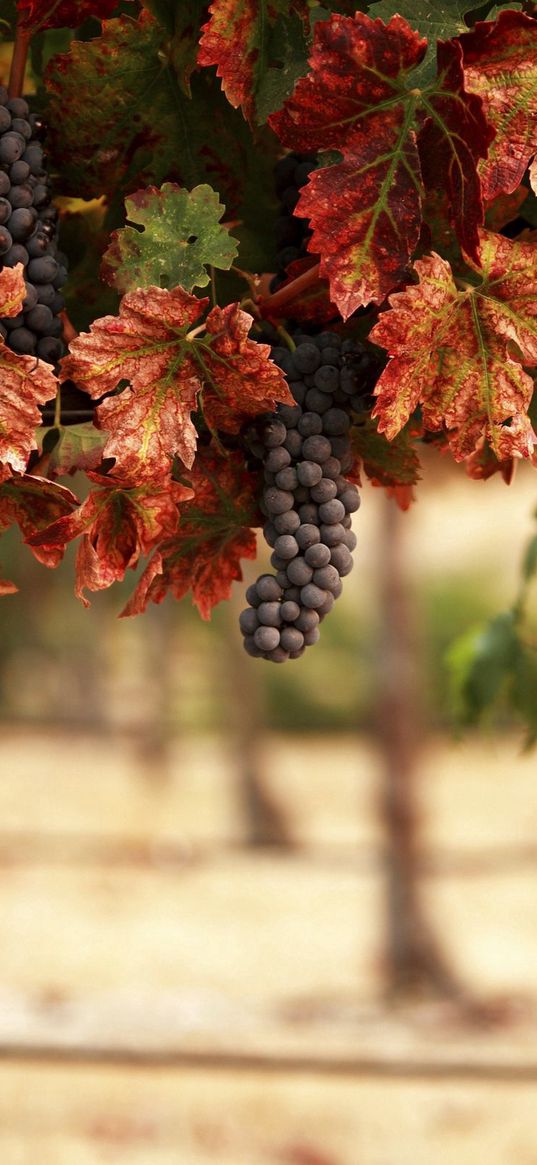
pixel 214 534
pixel 33 503
pixel 117 526
pixel 243 38
pixel 69 448
pixel 500 64
pixel 182 23
pixel 24 384
pixel 149 345
pixel 458 351
pixel 455 135
pixel 37 15
pixel 12 290
pixel 435 19
pixel 181 236
pixel 7 587
pixel 360 99
pixel 392 465
pixel 144 130
pixel 353 100
pixel 505 208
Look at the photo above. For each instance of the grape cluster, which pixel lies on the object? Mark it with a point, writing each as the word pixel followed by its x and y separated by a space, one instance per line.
pixel 290 174
pixel 307 500
pixel 28 230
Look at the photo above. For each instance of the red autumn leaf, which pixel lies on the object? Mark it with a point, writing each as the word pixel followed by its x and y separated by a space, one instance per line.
pixel 25 383
pixel 7 587
pixel 117 525
pixel 392 465
pixel 360 98
pixel 150 346
pixel 238 379
pixel 236 40
pixel 455 135
pixel 365 210
pixel 500 64
pixel 458 351
pixel 214 534
pixel 504 208
pixel 37 15
pixel 12 290
pixel 533 175
pixel 33 503
pixel 483 464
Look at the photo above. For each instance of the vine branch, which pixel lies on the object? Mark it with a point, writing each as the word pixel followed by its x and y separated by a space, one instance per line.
pixel 18 62
pixel 285 295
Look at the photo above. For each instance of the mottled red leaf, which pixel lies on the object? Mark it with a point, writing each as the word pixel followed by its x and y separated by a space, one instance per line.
pixel 504 208
pixel 457 351
pixel 500 64
pixel 7 587
pixel 237 39
pixel 12 290
pixel 37 15
pixel 365 210
pixel 25 383
pixel 238 380
pixel 214 534
pixel 150 345
pixel 32 503
pixel 393 465
pixel 455 135
pixel 117 525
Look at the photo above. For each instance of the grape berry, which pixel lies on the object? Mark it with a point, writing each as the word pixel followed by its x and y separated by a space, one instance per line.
pixel 307 500
pixel 28 227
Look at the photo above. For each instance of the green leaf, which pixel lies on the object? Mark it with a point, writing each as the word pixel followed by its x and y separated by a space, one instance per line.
pixel 181 235
pixel 276 84
pixel 529 565
pixel 481 664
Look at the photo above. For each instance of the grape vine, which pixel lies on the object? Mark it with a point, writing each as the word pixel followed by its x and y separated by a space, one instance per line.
pixel 358 191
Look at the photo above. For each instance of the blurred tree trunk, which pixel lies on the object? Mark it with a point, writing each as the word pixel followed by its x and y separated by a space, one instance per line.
pixel 415 962
pixel 264 818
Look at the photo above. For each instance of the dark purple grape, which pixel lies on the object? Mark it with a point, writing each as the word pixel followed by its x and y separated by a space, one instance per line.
pixel 21 340
pixel 5 241
pixel 5 119
pixel 21 225
pixel 16 254
pixel 38 245
pixel 20 125
pixel 20 196
pixel 19 172
pixel 269 614
pixel 268 589
pixel 42 270
pixel 18 107
pixel 5 184
pixel 267 638
pixel 12 147
pixel 39 318
pixel 5 211
pixel 33 155
pixel 49 349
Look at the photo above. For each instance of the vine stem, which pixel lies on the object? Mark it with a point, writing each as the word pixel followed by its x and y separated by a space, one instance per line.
pixel 272 304
pixel 18 62
pixel 69 330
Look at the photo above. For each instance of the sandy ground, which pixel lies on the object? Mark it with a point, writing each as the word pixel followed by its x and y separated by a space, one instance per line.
pixel 168 997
